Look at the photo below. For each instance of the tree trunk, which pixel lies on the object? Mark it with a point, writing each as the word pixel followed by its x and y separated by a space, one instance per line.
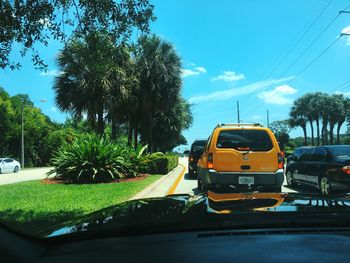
pixel 305 135
pixel 326 135
pixel 312 133
pixel 136 134
pixel 324 132
pixel 338 131
pixel 331 134
pixel 100 122
pixel 318 130
pixel 114 129
pixel 130 130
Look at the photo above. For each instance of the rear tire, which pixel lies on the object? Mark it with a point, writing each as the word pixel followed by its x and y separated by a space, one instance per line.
pixel 201 187
pixel 190 173
pixel 324 185
pixel 16 169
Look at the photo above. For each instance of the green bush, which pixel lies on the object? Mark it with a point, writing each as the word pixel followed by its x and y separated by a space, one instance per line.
pixel 90 159
pixel 160 163
pixel 172 161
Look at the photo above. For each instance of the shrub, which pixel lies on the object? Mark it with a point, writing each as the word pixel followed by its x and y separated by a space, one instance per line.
pixel 160 163
pixel 172 162
pixel 90 159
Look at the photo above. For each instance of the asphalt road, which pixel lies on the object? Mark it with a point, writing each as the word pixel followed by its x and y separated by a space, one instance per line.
pixel 24 175
pixel 188 185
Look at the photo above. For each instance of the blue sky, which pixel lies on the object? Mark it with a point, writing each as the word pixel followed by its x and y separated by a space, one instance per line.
pixel 227 49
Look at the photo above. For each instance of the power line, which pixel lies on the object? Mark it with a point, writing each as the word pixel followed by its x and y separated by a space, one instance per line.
pixel 302 71
pixel 300 38
pixel 298 41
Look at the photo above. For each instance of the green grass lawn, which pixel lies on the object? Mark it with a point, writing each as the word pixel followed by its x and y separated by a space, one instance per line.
pixel 32 206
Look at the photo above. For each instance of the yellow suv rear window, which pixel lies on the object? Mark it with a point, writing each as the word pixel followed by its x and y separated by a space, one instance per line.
pixel 254 140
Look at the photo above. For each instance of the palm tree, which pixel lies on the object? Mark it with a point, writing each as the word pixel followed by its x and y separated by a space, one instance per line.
pixel 315 108
pixel 298 118
pixel 86 66
pixel 305 105
pixel 344 112
pixel 159 69
pixel 336 114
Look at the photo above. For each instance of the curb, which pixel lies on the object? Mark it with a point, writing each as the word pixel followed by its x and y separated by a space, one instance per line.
pixel 149 189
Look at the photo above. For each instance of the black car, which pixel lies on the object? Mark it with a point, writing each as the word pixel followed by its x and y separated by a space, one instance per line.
pixel 297 153
pixel 324 167
pixel 197 149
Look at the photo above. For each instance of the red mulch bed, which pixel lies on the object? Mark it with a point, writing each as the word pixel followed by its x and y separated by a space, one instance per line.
pixel 134 179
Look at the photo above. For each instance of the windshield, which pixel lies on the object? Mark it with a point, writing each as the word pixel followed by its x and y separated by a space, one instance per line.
pixel 106 105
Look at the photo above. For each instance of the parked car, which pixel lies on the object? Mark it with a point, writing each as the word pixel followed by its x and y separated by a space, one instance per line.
pixel 243 157
pixel 197 149
pixel 8 165
pixel 326 168
pixel 297 153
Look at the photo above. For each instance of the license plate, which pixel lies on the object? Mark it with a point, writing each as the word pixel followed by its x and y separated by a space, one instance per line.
pixel 246 180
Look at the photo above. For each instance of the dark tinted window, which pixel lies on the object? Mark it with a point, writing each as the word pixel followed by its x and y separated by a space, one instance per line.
pixel 341 152
pixel 306 156
pixel 198 145
pixel 319 154
pixel 8 160
pixel 255 140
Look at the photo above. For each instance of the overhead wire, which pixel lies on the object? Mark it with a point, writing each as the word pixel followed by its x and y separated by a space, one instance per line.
pixel 297 42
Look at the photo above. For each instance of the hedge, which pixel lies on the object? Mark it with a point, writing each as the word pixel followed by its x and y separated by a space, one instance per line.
pixel 160 163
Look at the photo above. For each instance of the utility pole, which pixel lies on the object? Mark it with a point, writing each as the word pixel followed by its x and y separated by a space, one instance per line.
pixel 267 119
pixel 238 119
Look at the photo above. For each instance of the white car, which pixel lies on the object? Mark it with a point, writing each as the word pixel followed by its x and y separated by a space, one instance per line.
pixel 8 165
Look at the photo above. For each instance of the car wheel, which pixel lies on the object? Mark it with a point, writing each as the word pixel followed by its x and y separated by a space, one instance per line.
pixel 324 186
pixel 16 169
pixel 190 173
pixel 290 179
pixel 201 187
pixel 0 171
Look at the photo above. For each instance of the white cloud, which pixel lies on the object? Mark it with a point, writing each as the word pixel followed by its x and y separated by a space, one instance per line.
pixel 346 30
pixel 234 92
pixel 192 64
pixel 278 95
pixel 229 76
pixel 54 109
pixel 201 69
pixel 193 72
pixel 51 73
pixel 189 72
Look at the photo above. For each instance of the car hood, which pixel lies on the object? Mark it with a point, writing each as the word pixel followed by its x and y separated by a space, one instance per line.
pixel 207 212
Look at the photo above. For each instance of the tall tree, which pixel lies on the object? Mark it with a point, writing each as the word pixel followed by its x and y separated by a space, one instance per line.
pixel 87 69
pixel 159 69
pixel 281 130
pixel 298 118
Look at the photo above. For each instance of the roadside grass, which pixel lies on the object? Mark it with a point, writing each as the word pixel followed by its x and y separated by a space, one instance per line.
pixel 33 206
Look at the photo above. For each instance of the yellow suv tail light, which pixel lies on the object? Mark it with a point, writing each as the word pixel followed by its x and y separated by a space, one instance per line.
pixel 280 161
pixel 210 163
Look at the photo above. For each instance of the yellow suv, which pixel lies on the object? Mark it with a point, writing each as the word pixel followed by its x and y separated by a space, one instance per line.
pixel 241 156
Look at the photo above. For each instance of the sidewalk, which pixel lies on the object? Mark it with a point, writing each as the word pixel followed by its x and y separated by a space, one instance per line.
pixel 160 187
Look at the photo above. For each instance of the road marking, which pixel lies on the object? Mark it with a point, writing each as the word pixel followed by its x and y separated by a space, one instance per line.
pixel 177 181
